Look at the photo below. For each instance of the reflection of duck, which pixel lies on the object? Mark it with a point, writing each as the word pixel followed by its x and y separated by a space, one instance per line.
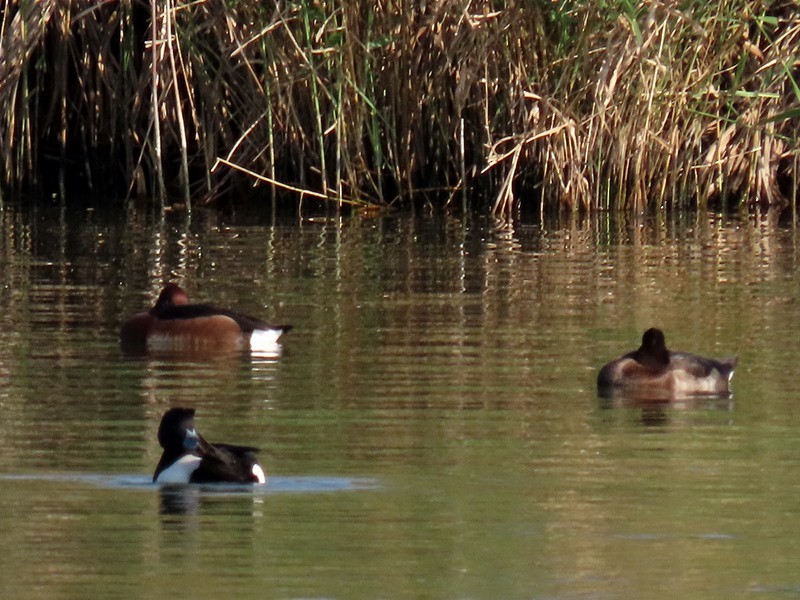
pixel 174 324
pixel 179 499
pixel 188 458
pixel 653 370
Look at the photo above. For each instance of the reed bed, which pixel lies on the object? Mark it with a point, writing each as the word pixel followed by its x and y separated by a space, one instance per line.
pixel 571 104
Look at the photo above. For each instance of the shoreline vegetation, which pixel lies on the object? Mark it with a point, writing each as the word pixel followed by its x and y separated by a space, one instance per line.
pixel 611 105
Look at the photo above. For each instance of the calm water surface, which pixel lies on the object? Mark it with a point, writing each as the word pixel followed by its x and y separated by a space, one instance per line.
pixel 431 428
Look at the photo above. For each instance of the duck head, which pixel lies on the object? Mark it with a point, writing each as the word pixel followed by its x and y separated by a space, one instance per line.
pixel 177 432
pixel 653 352
pixel 171 295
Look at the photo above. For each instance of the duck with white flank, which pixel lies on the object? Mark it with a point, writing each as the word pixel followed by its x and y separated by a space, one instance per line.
pixel 189 458
pixel 174 324
pixel 654 371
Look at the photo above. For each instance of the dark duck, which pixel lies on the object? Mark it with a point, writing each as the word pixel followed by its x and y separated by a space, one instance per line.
pixel 189 458
pixel 655 371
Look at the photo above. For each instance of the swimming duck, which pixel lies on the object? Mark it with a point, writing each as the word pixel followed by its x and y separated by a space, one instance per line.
pixel 655 371
pixel 189 458
pixel 174 324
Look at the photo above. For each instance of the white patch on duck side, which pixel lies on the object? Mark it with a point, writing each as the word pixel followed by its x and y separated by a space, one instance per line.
pixel 181 470
pixel 687 384
pixel 258 473
pixel 265 340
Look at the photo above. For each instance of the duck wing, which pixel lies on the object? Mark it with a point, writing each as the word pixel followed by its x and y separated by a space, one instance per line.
pixel 700 366
pixel 193 311
pixel 247 323
pixel 225 462
pixel 189 311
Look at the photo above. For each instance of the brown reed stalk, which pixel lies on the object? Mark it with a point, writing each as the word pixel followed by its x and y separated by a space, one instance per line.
pixel 637 106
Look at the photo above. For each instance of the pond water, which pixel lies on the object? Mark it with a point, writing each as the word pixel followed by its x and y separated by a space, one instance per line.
pixel 431 428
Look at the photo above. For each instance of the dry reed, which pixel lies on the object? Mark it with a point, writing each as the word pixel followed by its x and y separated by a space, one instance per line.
pixel 635 106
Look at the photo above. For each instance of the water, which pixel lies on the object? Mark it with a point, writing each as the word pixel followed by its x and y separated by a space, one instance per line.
pixel 431 428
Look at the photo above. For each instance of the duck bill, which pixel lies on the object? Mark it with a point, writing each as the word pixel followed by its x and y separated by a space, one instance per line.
pixel 191 441
pixel 196 443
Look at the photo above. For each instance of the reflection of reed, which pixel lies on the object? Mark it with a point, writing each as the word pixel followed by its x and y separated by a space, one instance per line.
pixel 393 314
pixel 455 361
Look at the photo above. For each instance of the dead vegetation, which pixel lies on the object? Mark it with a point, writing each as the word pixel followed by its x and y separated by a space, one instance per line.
pixel 646 105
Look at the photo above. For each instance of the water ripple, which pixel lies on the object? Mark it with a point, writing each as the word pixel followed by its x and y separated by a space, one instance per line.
pixel 276 484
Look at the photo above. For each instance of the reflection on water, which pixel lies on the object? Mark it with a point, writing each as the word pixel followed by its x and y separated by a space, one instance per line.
pixel 179 500
pixel 263 355
pixel 441 373
pixel 277 484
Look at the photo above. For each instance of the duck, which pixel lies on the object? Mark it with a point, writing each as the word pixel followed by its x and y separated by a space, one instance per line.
pixel 655 371
pixel 189 458
pixel 175 324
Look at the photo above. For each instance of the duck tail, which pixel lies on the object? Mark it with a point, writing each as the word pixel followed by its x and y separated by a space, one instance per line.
pixel 731 363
